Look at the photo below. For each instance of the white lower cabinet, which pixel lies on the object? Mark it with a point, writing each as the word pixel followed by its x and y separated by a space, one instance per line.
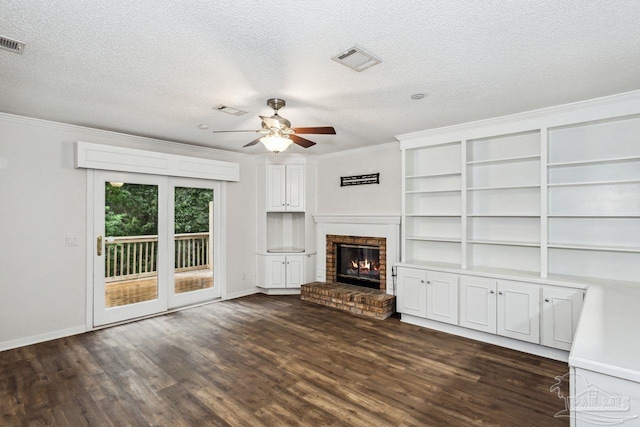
pixel 478 303
pixel 519 311
pixel 560 313
pixel 285 271
pixel 531 312
pixel 442 297
pixel 510 309
pixel 412 292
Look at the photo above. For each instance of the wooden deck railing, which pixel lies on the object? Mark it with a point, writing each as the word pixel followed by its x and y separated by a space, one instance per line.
pixel 134 257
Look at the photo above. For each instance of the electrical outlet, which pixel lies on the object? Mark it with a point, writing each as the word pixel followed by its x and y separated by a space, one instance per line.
pixel 71 241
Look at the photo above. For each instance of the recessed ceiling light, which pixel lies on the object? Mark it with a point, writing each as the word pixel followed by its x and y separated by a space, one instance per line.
pixel 417 96
pixel 203 127
pixel 229 110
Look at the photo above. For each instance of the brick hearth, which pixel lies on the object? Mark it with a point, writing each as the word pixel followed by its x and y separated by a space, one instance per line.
pixel 355 299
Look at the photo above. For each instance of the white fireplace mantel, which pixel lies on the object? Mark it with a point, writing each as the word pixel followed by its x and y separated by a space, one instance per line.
pixel 387 226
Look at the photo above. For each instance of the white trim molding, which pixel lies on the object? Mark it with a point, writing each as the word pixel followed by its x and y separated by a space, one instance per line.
pixel 35 339
pixel 113 158
pixel 386 226
pixel 359 219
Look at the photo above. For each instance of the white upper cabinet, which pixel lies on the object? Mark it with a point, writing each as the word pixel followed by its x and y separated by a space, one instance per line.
pixel 519 311
pixel 295 185
pixel 285 188
pixel 412 292
pixel 276 188
pixel 442 297
pixel 560 313
pixel 478 303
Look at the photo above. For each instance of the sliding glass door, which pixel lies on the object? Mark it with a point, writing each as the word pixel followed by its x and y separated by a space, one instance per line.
pixel 156 244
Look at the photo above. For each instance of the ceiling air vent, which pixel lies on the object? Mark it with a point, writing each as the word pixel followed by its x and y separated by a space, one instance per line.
pixel 11 45
pixel 229 110
pixel 356 58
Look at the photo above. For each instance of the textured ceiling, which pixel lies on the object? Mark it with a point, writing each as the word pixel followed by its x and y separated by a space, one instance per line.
pixel 157 67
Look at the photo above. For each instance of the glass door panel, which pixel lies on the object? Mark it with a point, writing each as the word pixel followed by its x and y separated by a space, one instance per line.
pixel 129 245
pixel 194 241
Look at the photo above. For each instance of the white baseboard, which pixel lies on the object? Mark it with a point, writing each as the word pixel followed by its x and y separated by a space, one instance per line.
pixel 21 342
pixel 242 293
pixel 267 291
pixel 526 347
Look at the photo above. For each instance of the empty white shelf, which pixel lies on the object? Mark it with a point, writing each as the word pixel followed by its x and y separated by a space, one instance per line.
pixel 576 184
pixel 603 248
pixel 435 239
pixel 505 243
pixel 593 162
pixel 506 187
pixel 504 160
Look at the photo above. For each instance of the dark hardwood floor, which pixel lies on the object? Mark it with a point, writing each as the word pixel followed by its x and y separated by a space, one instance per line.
pixel 273 361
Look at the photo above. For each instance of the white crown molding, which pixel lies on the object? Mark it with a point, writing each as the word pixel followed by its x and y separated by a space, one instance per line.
pixel 356 219
pixel 32 121
pixel 560 113
pixel 356 151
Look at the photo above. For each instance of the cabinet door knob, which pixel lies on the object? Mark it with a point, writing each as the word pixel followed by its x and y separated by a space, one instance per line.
pixel 546 300
pixel 421 281
pixel 492 291
pixel 500 293
pixel 428 282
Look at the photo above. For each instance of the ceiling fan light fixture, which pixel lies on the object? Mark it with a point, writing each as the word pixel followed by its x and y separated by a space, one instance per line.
pixel 276 144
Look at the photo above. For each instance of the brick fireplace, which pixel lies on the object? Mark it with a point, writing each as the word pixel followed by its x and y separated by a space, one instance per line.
pixel 333 243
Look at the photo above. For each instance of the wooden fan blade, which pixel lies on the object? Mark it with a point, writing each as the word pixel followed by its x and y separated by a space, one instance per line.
pixel 254 142
pixel 229 131
pixel 324 130
pixel 301 141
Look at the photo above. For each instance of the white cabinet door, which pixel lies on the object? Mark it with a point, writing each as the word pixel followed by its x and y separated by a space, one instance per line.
pixel 295 188
pixel 560 313
pixel 519 311
pixel 295 270
pixel 478 303
pixel 276 271
pixel 442 297
pixel 276 188
pixel 412 292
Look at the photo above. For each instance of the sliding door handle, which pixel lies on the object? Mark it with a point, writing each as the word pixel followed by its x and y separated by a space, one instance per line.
pixel 99 245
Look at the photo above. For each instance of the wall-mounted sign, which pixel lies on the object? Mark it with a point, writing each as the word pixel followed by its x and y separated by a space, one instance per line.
pixel 372 178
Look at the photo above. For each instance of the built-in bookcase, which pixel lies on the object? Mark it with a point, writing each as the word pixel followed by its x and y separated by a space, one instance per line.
pixel 594 199
pixel 503 202
pixel 433 207
pixel 545 194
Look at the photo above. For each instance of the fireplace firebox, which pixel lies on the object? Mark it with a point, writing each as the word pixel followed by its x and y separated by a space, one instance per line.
pixel 358 265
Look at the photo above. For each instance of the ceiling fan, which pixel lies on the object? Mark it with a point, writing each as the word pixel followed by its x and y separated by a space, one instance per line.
pixel 277 132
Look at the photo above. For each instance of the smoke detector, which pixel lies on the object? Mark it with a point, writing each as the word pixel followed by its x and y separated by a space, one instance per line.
pixel 357 59
pixel 11 45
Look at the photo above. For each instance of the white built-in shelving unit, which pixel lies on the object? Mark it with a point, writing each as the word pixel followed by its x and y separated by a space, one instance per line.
pixel 551 193
pixel 594 198
pixel 503 202
pixel 433 208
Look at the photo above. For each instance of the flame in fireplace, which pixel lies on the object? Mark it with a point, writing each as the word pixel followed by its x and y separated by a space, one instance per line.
pixel 365 265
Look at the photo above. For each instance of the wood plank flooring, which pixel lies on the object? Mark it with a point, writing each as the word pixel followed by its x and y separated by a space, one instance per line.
pixel 274 361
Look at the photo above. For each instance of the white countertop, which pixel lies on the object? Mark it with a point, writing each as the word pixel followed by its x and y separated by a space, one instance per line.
pixel 607 339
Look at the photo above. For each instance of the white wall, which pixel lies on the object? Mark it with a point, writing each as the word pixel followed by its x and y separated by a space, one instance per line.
pixel 383 198
pixel 43 199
